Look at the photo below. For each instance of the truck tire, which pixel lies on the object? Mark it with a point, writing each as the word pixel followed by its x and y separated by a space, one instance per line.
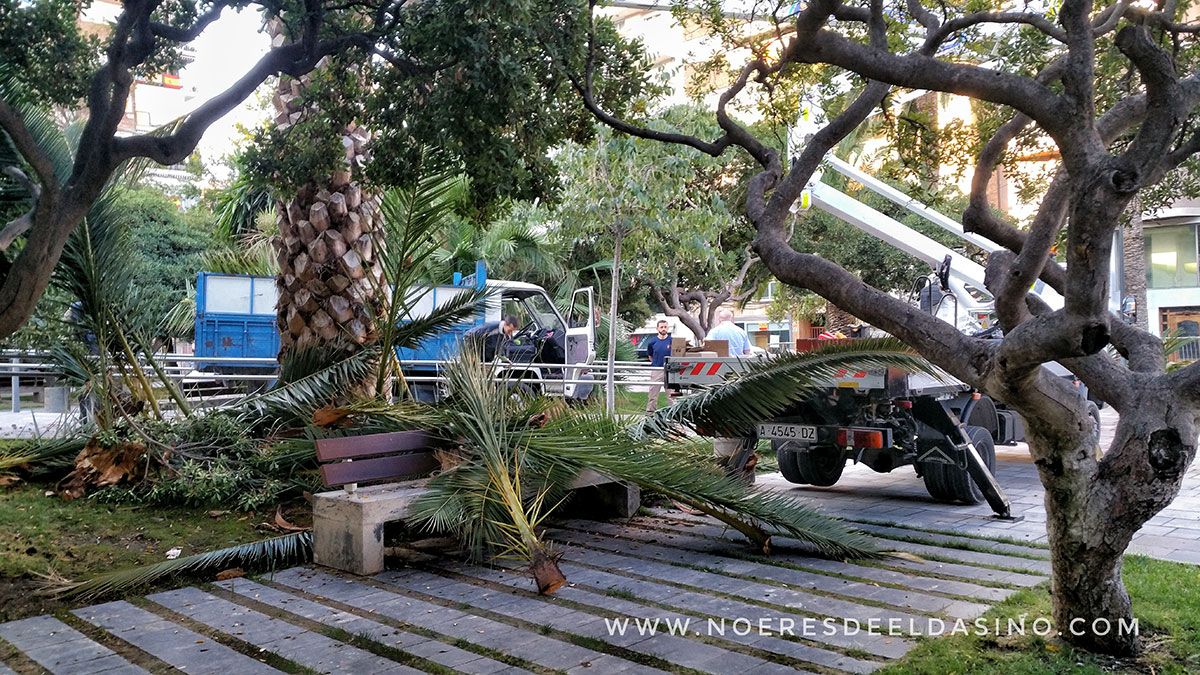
pixel 983 414
pixel 785 456
pixel 947 483
pixel 822 465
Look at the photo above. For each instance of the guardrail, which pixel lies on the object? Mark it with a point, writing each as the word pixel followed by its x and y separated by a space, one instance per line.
pixel 19 364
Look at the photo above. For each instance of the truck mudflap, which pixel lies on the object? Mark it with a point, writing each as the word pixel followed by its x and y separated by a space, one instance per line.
pixel 941 417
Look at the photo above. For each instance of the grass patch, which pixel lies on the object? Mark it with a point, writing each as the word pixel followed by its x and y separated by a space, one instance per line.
pixel 42 534
pixel 1166 601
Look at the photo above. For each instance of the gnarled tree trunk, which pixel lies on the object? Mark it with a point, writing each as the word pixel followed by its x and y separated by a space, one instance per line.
pixel 1094 509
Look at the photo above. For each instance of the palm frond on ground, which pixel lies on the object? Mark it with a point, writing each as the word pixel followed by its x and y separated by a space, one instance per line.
pixel 599 442
pixel 43 454
pixel 765 388
pixel 258 556
pixel 311 382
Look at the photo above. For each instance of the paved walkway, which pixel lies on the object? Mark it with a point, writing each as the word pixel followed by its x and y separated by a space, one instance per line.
pixel 732 612
pixel 900 497
pixel 30 424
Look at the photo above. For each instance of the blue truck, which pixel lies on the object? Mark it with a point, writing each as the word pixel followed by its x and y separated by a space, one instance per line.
pixel 552 354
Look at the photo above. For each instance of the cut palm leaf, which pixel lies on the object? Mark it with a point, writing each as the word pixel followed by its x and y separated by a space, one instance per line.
pixel 319 386
pixel 265 555
pixel 766 388
pixel 596 441
pixel 485 500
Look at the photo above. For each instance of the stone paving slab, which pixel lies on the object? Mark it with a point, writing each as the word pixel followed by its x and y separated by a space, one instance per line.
pixel 296 644
pixel 638 530
pixel 580 593
pixel 542 650
pixel 674 649
pixel 418 645
pixel 953 541
pixel 168 641
pixel 682 522
pixel 976 558
pixel 899 598
pixel 753 591
pixel 59 648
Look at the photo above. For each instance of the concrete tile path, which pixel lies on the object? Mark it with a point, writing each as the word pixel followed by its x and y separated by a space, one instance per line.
pixel 663 593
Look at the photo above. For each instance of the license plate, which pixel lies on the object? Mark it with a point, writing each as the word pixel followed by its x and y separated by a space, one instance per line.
pixel 788 432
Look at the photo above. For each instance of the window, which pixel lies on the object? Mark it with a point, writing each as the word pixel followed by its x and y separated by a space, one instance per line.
pixel 1171 257
pixel 531 308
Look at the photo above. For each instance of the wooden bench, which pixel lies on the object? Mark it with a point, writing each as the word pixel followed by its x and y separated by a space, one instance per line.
pixel 348 523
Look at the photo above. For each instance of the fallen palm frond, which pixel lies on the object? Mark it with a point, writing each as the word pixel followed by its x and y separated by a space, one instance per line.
pixel 43 455
pixel 598 442
pixel 764 389
pixel 265 555
pixel 298 398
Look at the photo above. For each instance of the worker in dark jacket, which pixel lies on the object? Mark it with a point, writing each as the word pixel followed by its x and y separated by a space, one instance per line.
pixel 492 335
pixel 657 348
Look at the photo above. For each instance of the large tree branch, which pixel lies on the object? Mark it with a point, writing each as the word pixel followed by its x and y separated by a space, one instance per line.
pixel 1165 101
pixel 13 124
pixel 919 71
pixel 180 34
pixel 293 59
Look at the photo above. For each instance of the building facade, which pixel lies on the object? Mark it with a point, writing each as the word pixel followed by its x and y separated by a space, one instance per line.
pixel 1171 253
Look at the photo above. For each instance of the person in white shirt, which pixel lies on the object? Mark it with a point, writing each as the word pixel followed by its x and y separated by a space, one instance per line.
pixel 726 329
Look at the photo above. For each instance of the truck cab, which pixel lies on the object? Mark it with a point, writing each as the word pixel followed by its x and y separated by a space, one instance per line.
pixel 549 353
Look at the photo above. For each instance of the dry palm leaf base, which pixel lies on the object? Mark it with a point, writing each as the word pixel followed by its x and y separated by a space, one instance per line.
pixel 98 467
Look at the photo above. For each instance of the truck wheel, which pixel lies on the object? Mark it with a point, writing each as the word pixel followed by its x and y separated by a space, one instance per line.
pixel 822 465
pixel 948 483
pixel 785 456
pixel 983 414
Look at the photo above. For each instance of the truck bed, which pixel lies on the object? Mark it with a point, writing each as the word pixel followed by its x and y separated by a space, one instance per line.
pixel 708 371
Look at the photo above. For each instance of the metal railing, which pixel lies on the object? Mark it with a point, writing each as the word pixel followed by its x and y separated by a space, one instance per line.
pixel 1188 349
pixel 20 365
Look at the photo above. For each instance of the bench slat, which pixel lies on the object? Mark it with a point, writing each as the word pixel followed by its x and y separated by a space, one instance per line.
pixel 379 468
pixel 353 447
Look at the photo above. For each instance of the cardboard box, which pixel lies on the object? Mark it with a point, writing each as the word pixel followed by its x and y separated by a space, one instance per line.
pixel 679 346
pixel 721 347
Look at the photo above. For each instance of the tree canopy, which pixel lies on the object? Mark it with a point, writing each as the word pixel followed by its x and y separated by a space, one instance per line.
pixel 481 82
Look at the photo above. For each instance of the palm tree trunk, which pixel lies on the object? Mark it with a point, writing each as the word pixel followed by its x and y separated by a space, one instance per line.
pixel 328 270
pixel 837 318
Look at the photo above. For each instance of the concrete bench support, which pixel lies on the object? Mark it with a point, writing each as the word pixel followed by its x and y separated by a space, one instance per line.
pixel 348 527
pixel 607 497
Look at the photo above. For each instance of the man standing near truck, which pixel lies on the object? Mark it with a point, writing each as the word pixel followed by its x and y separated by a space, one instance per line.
pixel 657 348
pixel 491 336
pixel 726 329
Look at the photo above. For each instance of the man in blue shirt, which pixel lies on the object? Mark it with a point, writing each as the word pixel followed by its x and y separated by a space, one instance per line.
pixel 657 348
pixel 726 329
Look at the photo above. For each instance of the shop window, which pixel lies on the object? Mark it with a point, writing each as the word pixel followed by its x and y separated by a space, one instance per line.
pixel 1171 257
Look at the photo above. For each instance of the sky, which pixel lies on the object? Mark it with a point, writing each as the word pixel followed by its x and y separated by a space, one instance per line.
pixel 223 54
